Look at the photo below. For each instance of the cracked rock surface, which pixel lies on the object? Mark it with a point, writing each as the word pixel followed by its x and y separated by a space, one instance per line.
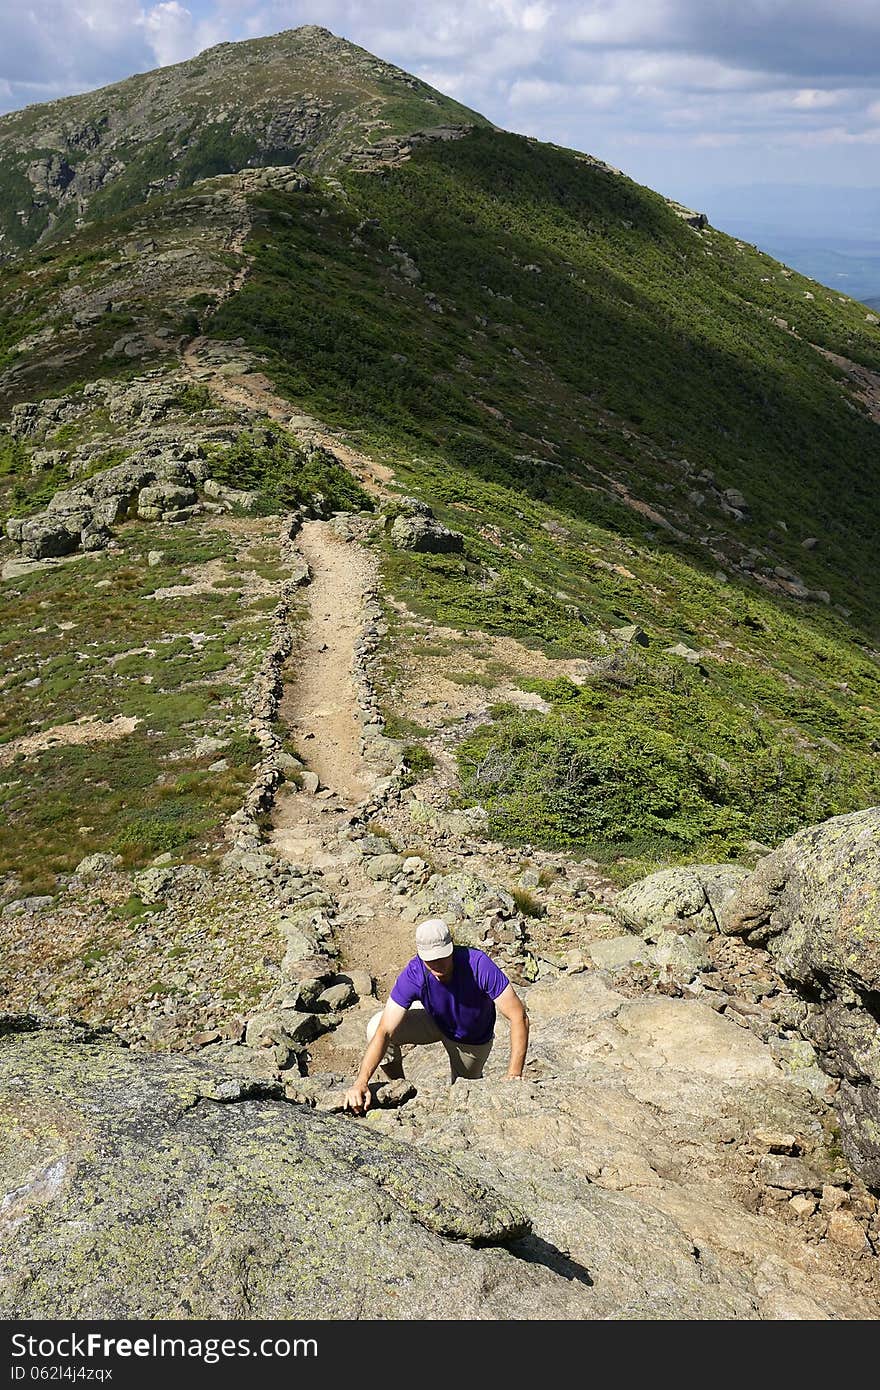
pixel 814 903
pixel 157 1187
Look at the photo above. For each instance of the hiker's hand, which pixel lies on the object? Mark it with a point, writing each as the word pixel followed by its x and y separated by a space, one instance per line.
pixel 358 1098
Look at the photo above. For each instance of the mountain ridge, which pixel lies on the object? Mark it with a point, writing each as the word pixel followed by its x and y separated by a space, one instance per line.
pixel 301 96
pixel 551 357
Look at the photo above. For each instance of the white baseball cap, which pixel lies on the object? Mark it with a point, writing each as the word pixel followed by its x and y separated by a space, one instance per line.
pixel 433 939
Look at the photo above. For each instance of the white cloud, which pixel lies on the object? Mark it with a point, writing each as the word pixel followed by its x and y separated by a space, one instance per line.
pixel 536 17
pixel 716 139
pixel 534 91
pixel 812 99
pixel 622 23
pixel 170 32
pixel 832 136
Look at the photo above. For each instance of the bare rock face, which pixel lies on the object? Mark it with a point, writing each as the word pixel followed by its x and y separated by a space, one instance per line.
pixel 815 903
pixel 685 900
pixel 621 1179
pixel 153 1186
pixel 637 1144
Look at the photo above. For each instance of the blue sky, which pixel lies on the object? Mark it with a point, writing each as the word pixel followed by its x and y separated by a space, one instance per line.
pixel 684 95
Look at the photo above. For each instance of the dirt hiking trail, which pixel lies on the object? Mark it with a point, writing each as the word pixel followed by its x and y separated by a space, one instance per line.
pixel 320 704
pixel 317 826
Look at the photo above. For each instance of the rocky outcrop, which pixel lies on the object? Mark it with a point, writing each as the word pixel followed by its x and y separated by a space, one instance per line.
pixel 666 1165
pixel 161 489
pixel 815 903
pixel 160 479
pixel 398 149
pixel 159 1187
pixel 418 529
pixel 683 900
pixel 697 220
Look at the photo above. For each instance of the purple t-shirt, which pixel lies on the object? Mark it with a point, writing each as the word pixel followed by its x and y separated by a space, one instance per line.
pixel 463 1009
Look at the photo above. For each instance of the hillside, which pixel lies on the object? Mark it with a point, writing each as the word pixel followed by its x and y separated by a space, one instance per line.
pixel 405 517
pixel 634 421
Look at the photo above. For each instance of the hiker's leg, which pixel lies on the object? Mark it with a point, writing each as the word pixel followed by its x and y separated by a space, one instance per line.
pixel 392 1063
pixel 417 1027
pixel 467 1060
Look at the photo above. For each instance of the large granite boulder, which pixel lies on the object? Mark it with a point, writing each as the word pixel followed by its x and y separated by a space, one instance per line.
pixel 124 480
pixel 162 497
pixel 147 1186
pixel 683 900
pixel 45 537
pixel 418 529
pixel 815 904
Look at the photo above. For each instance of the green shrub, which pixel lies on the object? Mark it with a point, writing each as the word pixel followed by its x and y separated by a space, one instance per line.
pixel 268 461
pixel 153 834
pixel 650 768
pixel 528 904
pixel 419 760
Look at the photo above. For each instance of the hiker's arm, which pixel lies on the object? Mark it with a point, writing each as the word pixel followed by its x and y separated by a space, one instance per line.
pixel 514 1011
pixel 358 1097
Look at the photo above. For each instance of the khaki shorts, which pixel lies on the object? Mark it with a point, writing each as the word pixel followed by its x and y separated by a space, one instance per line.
pixel 417 1027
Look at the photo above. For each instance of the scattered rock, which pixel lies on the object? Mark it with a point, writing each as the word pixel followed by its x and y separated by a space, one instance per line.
pixel 845 1230
pixel 97 865
pixel 338 996
pixel 617 951
pixel 286 1026
pixel 790 1174
pixel 383 865
pixel 417 529
pixel 693 658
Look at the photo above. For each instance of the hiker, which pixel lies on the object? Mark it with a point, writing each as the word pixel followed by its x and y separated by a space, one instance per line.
pixel 446 994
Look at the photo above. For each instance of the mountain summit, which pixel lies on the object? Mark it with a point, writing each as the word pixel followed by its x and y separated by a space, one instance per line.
pixel 303 97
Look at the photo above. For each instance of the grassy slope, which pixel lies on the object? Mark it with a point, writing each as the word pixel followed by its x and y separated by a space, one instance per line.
pixel 74 650
pixel 639 351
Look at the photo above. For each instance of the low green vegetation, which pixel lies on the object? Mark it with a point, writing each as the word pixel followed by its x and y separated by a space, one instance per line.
pixel 576 334
pixel 95 639
pixel 418 759
pixel 651 759
pixel 269 462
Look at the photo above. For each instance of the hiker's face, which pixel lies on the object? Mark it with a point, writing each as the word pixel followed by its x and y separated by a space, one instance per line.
pixel 441 969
